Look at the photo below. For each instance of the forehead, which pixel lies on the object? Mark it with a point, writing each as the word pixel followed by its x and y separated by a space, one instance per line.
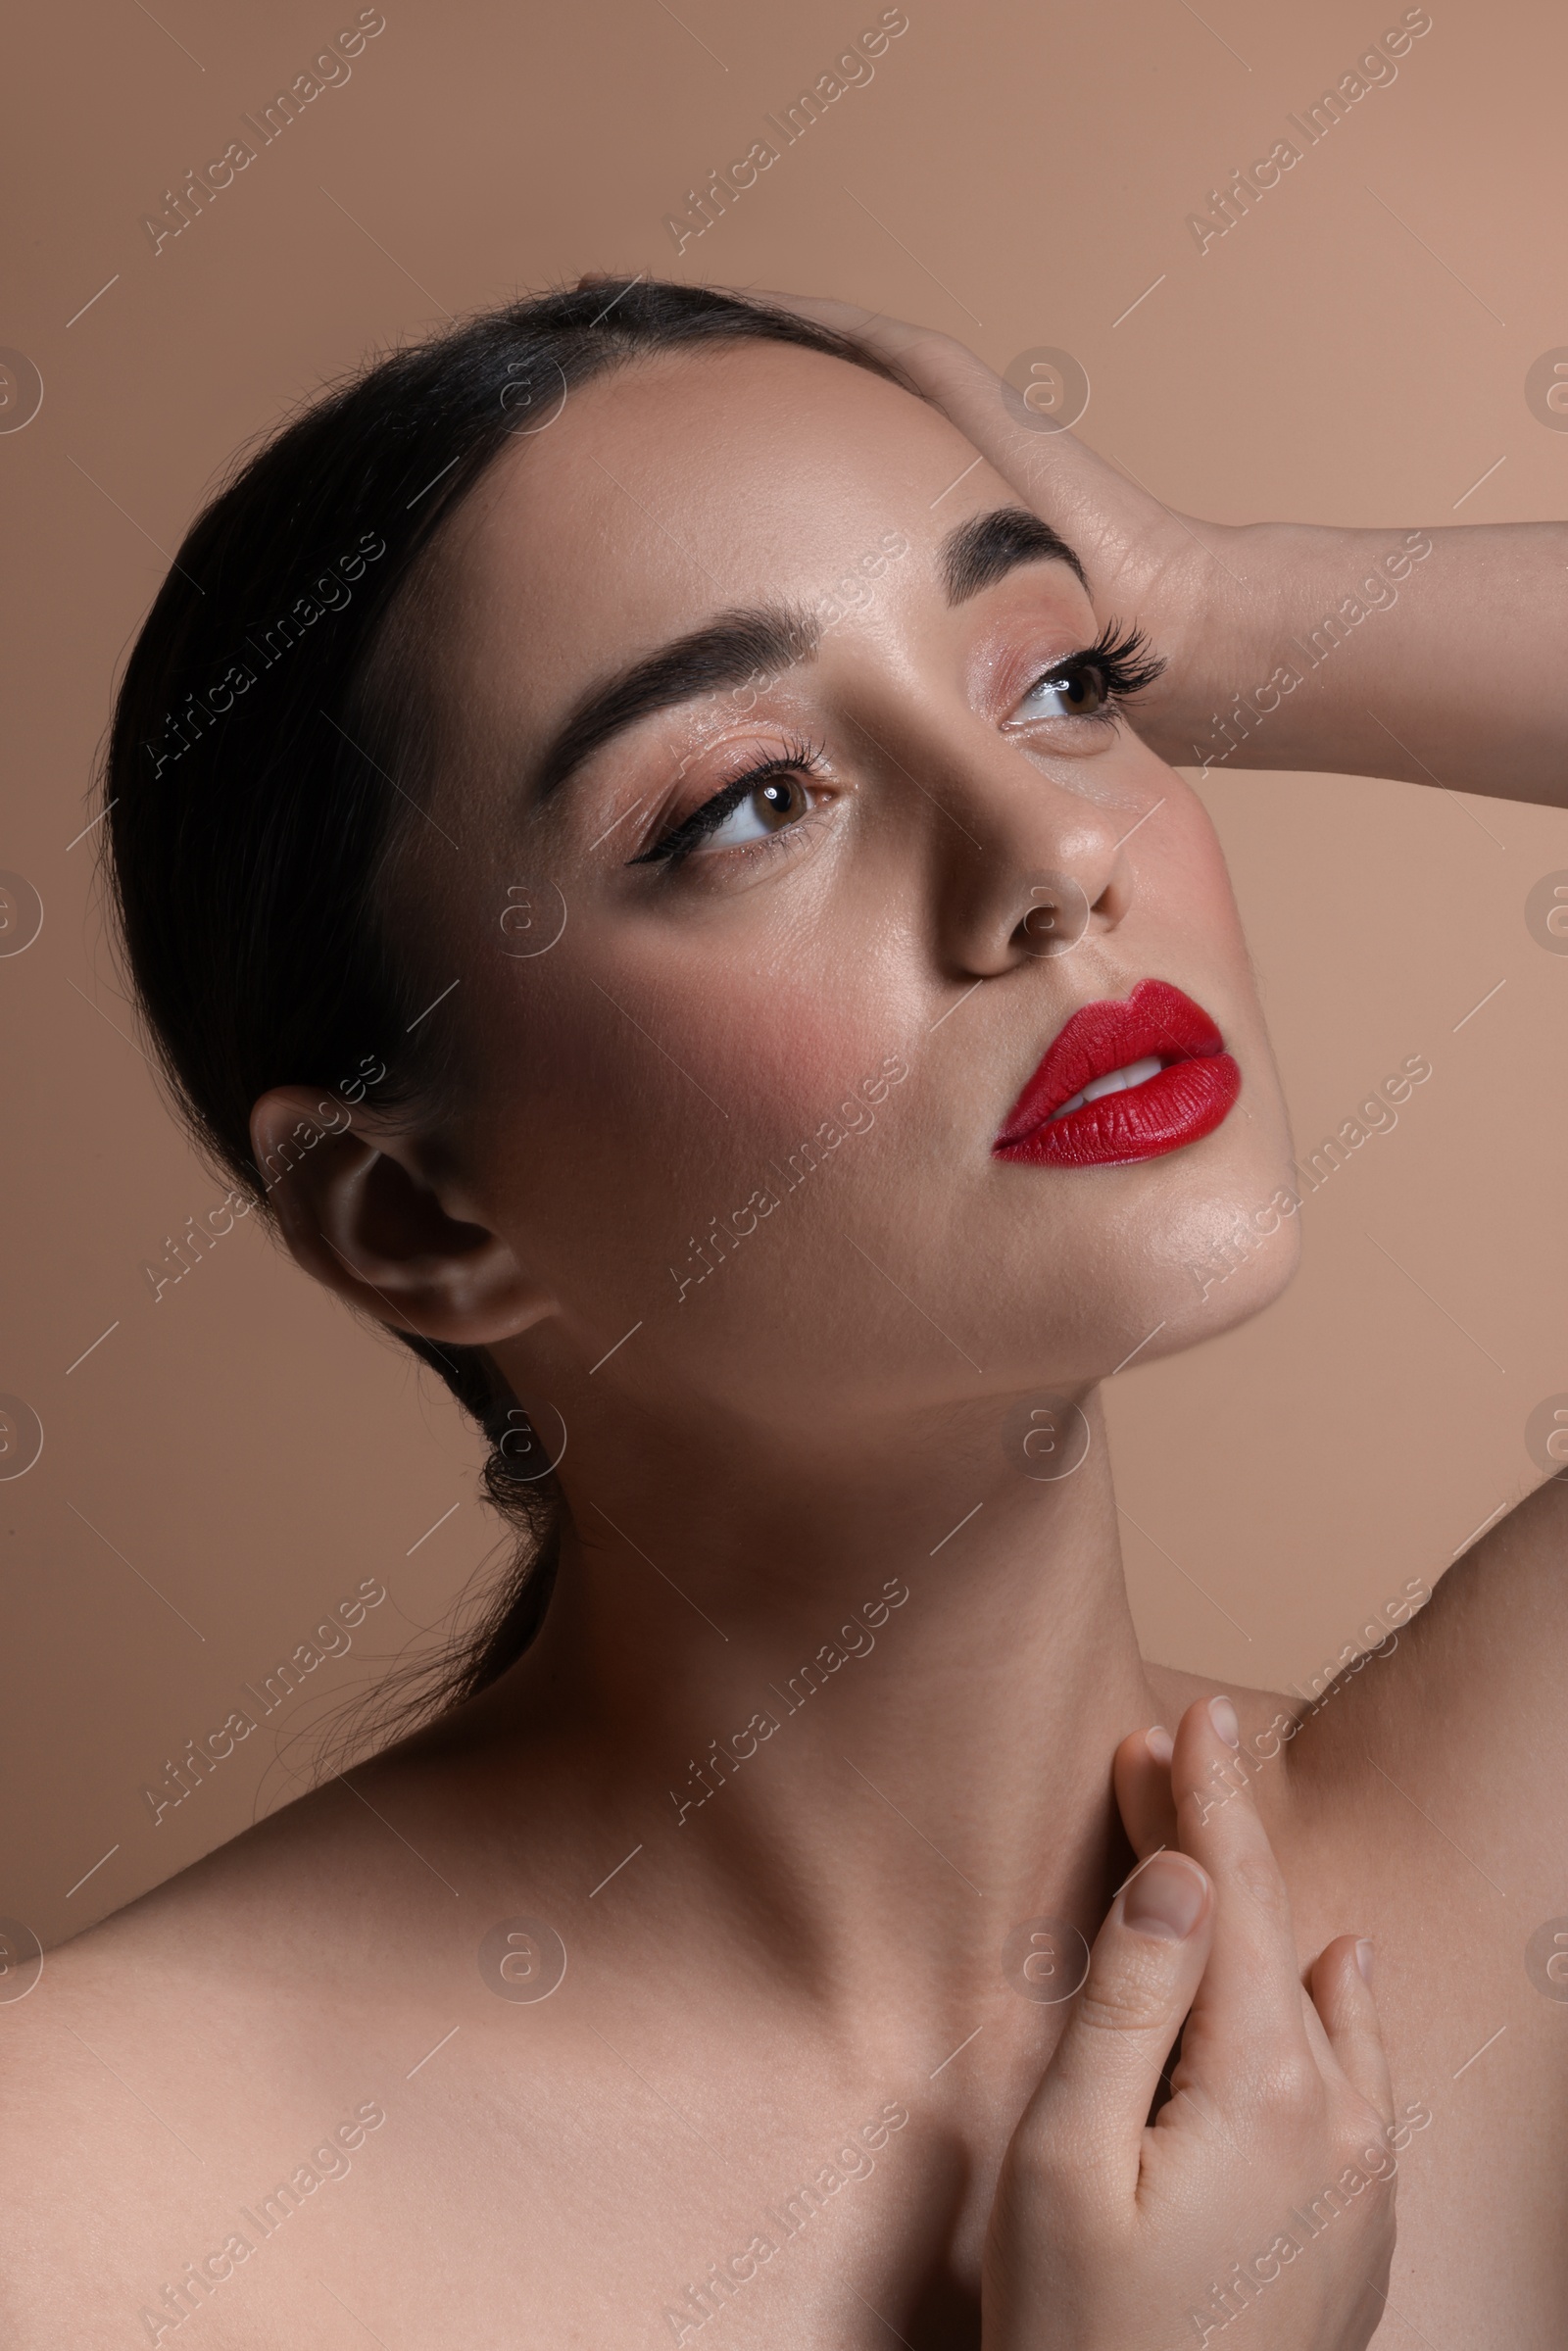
pixel 676 486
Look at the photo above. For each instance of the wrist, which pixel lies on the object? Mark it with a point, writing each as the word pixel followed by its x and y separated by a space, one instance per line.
pixel 1241 659
pixel 1209 610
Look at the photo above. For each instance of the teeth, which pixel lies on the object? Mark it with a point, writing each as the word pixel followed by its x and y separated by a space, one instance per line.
pixel 1115 1081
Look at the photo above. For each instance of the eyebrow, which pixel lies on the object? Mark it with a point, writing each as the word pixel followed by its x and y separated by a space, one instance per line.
pixel 985 549
pixel 755 644
pixel 734 650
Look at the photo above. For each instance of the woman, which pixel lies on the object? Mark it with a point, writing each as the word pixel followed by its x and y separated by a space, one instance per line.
pixel 687 940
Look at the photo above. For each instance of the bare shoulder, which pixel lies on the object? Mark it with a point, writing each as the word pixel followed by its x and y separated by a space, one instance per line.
pixel 1465 1708
pixel 271 2086
pixel 1498 1619
pixel 1434 1767
pixel 1428 1808
pixel 191 1960
pixel 311 1895
pixel 1427 1803
pixel 170 2060
pixel 189 2085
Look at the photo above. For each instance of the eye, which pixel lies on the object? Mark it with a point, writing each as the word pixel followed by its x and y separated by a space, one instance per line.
pixel 1096 682
pixel 766 808
pixel 767 800
pixel 1075 689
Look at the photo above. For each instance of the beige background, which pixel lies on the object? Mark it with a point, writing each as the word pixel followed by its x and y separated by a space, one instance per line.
pixel 230 1462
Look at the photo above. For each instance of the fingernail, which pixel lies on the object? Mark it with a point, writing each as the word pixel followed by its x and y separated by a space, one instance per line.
pixel 1363 1958
pixel 1165 1898
pixel 1160 1742
pixel 1222 1714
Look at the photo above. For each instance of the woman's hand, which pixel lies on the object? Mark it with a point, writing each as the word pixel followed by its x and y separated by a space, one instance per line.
pixel 1288 644
pixel 1180 578
pixel 1265 2184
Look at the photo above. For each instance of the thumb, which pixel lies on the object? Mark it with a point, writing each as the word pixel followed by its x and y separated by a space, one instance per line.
pixel 1089 2113
pixel 1141 1776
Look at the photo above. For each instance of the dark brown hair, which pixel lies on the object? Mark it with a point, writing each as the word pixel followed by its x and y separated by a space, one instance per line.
pixel 251 779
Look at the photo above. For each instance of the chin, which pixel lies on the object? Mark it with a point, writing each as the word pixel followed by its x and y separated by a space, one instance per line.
pixel 1232 1256
pixel 1213 1240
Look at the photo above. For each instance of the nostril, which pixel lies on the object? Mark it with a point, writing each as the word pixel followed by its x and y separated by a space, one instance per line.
pixel 1114 899
pixel 1056 915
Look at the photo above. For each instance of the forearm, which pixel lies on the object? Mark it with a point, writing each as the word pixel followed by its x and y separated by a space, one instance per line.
pixel 1355 651
pixel 1448 669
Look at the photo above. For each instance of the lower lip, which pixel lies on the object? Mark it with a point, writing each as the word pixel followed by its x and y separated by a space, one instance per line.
pixel 1186 1101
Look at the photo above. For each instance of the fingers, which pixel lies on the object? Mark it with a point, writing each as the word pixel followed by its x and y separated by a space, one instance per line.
pixel 1103 2223
pixel 1104 516
pixel 1141 1776
pixel 1247 2040
pixel 888 335
pixel 1341 1993
pixel 1089 2112
pixel 964 387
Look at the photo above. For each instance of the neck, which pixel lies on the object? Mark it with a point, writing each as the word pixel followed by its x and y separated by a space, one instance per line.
pixel 831 1699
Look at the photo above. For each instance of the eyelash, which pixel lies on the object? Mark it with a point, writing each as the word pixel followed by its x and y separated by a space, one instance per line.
pixel 1122 659
pixel 800 759
pixel 1120 656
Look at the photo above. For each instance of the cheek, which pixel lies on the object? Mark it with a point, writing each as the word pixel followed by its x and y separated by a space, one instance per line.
pixel 645 1083
pixel 1183 891
pixel 651 1091
pixel 1190 881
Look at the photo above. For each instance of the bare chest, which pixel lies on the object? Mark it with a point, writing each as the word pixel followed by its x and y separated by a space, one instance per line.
pixel 650 2206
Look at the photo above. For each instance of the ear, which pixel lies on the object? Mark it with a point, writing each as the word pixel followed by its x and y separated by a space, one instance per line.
pixel 359 1210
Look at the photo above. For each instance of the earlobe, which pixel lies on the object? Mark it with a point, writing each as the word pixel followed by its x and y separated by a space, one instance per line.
pixel 359 1212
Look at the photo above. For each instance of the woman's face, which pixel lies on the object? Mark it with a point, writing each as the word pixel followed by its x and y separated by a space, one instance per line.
pixel 748 1098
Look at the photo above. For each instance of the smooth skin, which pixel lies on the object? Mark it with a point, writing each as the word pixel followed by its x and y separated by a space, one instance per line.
pixel 761 1983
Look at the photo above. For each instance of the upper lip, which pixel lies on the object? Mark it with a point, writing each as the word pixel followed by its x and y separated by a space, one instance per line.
pixel 1106 1035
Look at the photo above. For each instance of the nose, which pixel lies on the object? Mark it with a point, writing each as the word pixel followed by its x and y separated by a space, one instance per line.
pixel 1026 864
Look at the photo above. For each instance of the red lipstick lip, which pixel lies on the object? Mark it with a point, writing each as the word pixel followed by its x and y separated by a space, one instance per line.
pixel 1190 1097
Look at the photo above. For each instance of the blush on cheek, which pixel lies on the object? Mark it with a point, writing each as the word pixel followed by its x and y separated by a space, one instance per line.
pixel 783 1056
pixel 634 1100
pixel 1181 883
